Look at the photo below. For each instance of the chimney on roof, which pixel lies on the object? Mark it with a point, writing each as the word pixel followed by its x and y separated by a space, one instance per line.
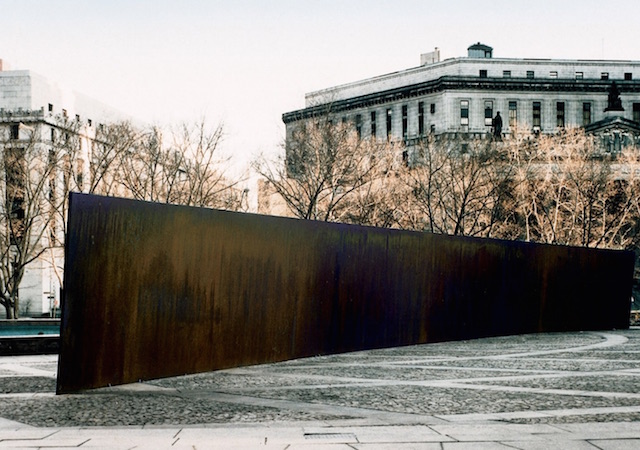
pixel 480 51
pixel 430 58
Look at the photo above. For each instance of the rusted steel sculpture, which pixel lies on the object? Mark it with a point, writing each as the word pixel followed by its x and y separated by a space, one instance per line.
pixel 155 290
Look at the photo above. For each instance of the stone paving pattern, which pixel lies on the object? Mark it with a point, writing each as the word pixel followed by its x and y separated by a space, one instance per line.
pixel 553 390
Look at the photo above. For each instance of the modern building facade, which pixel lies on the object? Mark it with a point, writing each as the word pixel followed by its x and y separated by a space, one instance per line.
pixel 29 102
pixel 464 94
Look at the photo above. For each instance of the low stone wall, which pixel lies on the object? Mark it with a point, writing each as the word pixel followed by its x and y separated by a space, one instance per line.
pixel 35 345
pixel 29 337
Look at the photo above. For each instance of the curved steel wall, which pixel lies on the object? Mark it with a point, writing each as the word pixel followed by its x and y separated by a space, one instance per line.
pixel 157 290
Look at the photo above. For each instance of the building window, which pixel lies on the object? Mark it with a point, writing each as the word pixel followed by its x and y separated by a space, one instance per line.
pixel 17 210
pixel 15 168
pixel 506 74
pixel 530 74
pixel 483 74
pixel 579 75
pixel 488 112
pixel 433 128
pixel 560 114
pixel 53 134
pixel 50 107
pixel 15 131
pixel 89 122
pixel 604 76
pixel 389 123
pixel 464 112
pixel 373 124
pixel 433 108
pixel 537 115
pixel 52 195
pixel 359 125
pixel 636 112
pixel 628 76
pixel 405 121
pixel 80 173
pixel 513 114
pixel 553 74
pixel 586 114
pixel 421 118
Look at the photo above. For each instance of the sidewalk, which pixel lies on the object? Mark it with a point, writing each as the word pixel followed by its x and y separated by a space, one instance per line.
pixel 565 390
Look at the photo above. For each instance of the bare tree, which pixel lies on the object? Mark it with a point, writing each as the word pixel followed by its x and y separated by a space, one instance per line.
pixel 329 173
pixel 187 168
pixel 459 187
pixel 205 175
pixel 623 230
pixel 25 213
pixel 41 163
pixel 85 160
pixel 570 192
pixel 142 168
pixel 107 153
pixel 82 159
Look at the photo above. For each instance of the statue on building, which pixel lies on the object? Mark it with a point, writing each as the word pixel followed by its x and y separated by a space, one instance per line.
pixel 497 126
pixel 614 103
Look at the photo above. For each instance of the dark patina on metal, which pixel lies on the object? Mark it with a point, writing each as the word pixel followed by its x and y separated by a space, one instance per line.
pixel 155 290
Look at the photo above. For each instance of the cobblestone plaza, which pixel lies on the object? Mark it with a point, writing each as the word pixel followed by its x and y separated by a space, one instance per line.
pixel 564 390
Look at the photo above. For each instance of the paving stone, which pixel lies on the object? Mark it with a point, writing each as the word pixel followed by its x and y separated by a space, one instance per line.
pixel 616 430
pixel 49 442
pixel 557 390
pixel 399 446
pixel 552 444
pixel 26 433
pixel 106 438
pixel 617 444
pixel 475 446
pixel 604 383
pixel 580 418
pixel 382 434
pixel 499 432
pixel 12 385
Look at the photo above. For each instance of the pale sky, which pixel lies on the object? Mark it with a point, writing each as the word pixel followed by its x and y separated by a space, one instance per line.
pixel 245 62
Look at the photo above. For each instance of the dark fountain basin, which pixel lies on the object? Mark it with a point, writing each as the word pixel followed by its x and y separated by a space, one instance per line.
pixel 29 336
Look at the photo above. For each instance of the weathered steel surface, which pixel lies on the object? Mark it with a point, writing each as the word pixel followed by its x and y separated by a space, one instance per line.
pixel 155 290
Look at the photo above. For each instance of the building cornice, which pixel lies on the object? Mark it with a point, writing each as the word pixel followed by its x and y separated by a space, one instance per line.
pixel 618 122
pixel 456 66
pixel 460 83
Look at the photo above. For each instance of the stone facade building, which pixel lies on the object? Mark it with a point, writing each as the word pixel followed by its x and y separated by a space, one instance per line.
pixel 464 94
pixel 29 102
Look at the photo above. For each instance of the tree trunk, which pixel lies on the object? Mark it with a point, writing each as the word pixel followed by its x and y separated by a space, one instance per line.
pixel 10 312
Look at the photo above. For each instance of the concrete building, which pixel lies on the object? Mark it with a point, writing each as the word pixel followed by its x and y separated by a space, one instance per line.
pixel 29 101
pixel 464 94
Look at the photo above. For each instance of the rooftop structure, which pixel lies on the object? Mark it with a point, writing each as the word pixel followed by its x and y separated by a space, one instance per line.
pixel 25 91
pixel 464 94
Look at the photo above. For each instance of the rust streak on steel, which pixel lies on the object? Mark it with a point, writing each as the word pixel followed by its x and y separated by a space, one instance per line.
pixel 156 290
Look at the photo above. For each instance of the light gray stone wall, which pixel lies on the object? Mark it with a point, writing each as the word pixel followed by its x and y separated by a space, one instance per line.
pixel 447 111
pixel 26 90
pixel 25 97
pixel 15 90
pixel 495 67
